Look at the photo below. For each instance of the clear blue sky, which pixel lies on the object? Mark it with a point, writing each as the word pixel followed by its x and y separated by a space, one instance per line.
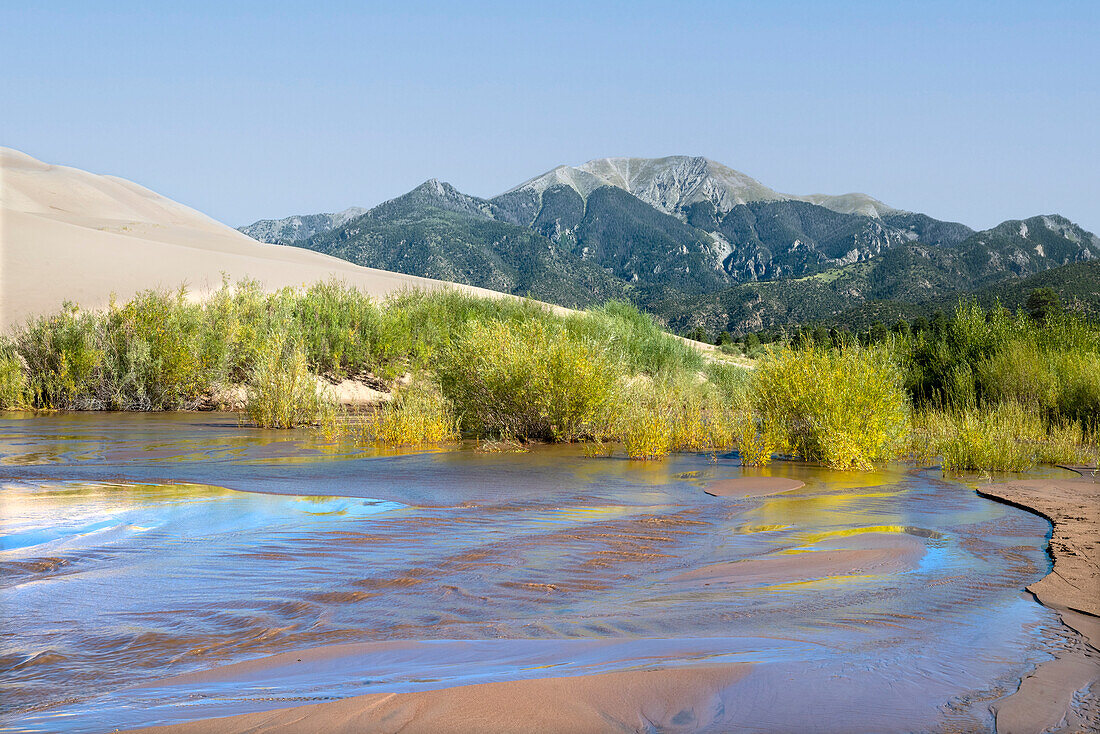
pixel 976 112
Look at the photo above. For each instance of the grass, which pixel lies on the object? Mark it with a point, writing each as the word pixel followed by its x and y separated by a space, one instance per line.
pixel 1007 437
pixel 418 414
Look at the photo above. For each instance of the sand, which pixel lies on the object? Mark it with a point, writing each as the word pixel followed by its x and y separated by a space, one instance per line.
pixel 752 486
pixel 860 555
pixel 1049 698
pixel 669 700
pixel 66 234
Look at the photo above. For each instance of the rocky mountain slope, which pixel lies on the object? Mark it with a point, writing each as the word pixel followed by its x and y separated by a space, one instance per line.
pixel 299 227
pixel 908 279
pixel 694 241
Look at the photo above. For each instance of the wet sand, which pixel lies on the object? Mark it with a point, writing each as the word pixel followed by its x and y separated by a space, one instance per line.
pixel 752 486
pixel 1061 695
pixel 671 700
pixel 868 554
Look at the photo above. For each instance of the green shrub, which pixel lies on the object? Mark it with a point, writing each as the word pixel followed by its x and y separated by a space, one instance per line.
pixel 1078 387
pixel 1006 437
pixel 634 340
pixel 156 354
pixel 338 326
pixel 13 383
pixel 845 408
pixel 282 392
pixel 62 354
pixel 527 380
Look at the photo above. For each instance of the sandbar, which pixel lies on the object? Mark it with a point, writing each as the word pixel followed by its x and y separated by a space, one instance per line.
pixel 1049 698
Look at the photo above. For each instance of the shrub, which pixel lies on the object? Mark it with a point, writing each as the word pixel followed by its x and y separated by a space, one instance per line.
pixel 338 327
pixel 282 393
pixel 845 408
pixel 673 413
pixel 527 380
pixel 646 436
pixel 417 414
pixel 156 354
pixel 756 442
pixel 13 383
pixel 62 355
pixel 989 440
pixel 1004 437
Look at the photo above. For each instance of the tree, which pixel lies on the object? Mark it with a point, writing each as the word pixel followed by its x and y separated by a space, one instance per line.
pixel 843 337
pixel 698 334
pixel 723 339
pixel 751 341
pixel 901 327
pixel 877 333
pixel 939 323
pixel 1043 304
pixel 920 325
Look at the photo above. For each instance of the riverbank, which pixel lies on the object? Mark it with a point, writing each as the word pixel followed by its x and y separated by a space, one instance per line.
pixel 677 699
pixel 1061 695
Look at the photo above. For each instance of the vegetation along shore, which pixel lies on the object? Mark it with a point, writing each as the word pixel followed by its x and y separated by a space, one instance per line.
pixel 986 389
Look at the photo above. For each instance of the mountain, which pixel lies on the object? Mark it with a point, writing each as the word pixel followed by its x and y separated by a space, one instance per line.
pixel 695 242
pixel 71 235
pixel 907 279
pixel 675 183
pixel 438 232
pixel 755 232
pixel 299 227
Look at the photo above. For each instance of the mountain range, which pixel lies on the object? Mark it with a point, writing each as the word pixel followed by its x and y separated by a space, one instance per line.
pixel 693 241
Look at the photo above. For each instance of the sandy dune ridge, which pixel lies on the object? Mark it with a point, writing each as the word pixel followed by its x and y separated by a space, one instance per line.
pixel 66 234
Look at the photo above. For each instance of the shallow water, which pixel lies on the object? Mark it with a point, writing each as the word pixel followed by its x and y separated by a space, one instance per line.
pixel 137 547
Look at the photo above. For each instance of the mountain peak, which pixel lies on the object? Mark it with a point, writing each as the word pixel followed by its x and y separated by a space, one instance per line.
pixel 442 195
pixel 675 182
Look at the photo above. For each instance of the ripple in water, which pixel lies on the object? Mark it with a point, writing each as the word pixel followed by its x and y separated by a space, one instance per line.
pixel 892 598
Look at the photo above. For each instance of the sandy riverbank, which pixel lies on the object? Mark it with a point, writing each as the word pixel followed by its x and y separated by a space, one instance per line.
pixel 671 700
pixel 1061 695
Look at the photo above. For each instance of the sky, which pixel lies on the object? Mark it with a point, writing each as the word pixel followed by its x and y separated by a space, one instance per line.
pixel 968 111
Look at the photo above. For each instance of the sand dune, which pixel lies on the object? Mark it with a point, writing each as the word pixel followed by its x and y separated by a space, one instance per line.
pixel 66 234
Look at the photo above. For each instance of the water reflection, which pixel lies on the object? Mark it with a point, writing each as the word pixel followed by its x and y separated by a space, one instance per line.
pixel 126 557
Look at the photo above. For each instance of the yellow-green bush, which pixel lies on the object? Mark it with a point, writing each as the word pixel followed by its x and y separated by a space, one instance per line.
pixel 1002 437
pixel 527 380
pixel 757 441
pixel 62 354
pixel 844 408
pixel 13 384
pixel 155 354
pixel 282 392
pixel 417 414
pixel 646 435
pixel 657 417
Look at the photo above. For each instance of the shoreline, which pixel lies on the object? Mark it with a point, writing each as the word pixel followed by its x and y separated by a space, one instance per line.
pixel 665 699
pixel 1055 696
